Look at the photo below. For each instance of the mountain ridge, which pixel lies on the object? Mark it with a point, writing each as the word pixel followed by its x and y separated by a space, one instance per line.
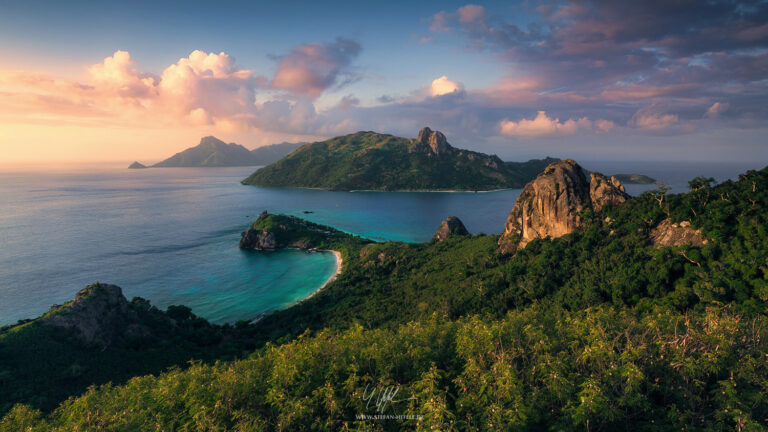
pixel 368 160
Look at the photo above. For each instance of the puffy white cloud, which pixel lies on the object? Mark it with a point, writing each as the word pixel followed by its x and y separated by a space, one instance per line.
pixel 208 82
pixel 542 125
pixel 443 85
pixel 117 75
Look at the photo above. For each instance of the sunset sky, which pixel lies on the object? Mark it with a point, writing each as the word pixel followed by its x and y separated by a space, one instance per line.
pixel 601 80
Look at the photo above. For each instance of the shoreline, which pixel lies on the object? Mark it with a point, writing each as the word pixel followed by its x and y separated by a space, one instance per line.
pixel 339 261
pixel 333 277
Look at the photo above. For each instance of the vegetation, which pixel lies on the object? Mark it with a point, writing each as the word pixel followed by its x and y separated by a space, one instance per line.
pixel 373 161
pixel 596 330
pixel 41 365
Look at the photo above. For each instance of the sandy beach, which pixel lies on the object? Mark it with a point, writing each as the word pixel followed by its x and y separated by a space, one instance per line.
pixel 339 260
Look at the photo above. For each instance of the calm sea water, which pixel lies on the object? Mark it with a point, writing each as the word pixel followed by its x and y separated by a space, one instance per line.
pixel 170 235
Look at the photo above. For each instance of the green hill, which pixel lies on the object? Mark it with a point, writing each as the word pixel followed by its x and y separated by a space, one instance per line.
pixel 212 152
pixel 600 329
pixel 373 161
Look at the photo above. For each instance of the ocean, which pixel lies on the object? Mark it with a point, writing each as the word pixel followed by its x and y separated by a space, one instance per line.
pixel 170 235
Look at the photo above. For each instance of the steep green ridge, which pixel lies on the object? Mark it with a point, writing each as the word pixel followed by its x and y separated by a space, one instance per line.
pixel 212 152
pixel 373 161
pixel 597 330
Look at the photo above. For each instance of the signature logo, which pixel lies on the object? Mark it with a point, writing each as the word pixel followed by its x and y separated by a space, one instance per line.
pixel 382 397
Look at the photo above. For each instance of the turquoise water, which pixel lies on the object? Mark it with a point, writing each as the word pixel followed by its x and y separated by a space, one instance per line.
pixel 170 235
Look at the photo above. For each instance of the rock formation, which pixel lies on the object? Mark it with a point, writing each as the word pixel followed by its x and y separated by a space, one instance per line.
pixel 604 191
pixel 258 239
pixel 450 226
pixel 100 313
pixel 667 233
pixel 550 205
pixel 431 142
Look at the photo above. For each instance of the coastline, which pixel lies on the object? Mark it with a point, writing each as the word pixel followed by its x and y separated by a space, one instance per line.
pixel 339 261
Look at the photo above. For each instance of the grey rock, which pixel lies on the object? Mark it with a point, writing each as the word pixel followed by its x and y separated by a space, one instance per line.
pixel 449 227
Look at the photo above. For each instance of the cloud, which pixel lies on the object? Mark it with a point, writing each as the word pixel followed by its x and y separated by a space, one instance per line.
pixel 117 74
pixel 311 69
pixel 716 109
pixel 619 56
pixel 542 125
pixel 210 82
pixel 652 118
pixel 201 90
pixel 348 102
pixel 442 86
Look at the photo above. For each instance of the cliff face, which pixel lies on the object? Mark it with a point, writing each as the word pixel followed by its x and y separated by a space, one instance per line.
pixel 253 238
pixel 450 226
pixel 549 206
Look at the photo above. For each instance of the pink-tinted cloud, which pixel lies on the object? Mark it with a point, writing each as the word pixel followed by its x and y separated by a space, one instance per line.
pixel 654 119
pixel 716 109
pixel 312 68
pixel 542 125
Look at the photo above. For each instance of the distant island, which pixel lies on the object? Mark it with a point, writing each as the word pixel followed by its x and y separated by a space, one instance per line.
pixel 635 178
pixel 213 152
pixel 374 161
pixel 136 165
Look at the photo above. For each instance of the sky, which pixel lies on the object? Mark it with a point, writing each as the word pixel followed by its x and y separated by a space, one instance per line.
pixel 597 80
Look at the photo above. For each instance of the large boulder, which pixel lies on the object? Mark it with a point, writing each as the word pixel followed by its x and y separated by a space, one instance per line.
pixel 548 206
pixel 551 204
pixel 449 227
pixel 605 191
pixel 667 233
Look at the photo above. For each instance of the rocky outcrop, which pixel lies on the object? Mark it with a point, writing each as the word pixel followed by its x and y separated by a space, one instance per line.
pixel 99 314
pixel 604 191
pixel 667 233
pixel 431 142
pixel 449 227
pixel 253 238
pixel 550 205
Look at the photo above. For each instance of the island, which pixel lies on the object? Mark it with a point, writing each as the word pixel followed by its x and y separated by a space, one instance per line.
pixel 635 178
pixel 213 152
pixel 137 165
pixel 380 162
